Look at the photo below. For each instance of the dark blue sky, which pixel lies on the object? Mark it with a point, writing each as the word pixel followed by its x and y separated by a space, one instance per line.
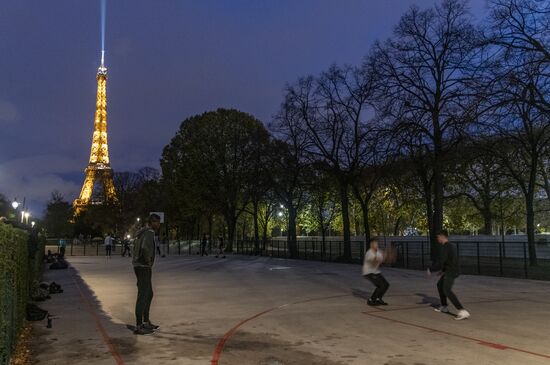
pixel 167 60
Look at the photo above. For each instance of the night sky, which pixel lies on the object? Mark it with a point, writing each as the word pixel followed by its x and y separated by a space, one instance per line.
pixel 167 60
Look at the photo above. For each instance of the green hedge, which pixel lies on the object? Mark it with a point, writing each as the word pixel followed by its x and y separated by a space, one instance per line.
pixel 20 264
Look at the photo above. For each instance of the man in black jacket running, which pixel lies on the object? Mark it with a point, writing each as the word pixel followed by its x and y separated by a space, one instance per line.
pixel 449 271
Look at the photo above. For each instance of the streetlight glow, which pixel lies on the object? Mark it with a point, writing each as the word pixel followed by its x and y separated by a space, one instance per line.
pixel 33 223
pixel 15 204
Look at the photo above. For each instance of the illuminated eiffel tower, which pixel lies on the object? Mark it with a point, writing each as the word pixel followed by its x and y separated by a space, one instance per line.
pixel 98 185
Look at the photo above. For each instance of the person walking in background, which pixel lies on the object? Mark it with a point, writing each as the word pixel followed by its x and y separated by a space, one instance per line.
pixel 221 247
pixel 126 247
pixel 374 257
pixel 164 246
pixel 143 260
pixel 204 242
pixel 62 246
pixel 448 270
pixel 157 244
pixel 108 245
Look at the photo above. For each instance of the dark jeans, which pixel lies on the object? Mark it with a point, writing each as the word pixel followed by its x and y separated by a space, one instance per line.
pixel 62 251
pixel 381 284
pixel 445 289
pixel 108 250
pixel 145 293
pixel 126 249
pixel 203 250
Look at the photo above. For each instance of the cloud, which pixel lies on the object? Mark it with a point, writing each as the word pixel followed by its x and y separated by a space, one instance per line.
pixel 8 112
pixel 35 177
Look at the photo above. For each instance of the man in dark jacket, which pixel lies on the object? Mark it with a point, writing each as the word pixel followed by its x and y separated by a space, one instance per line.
pixel 449 271
pixel 143 259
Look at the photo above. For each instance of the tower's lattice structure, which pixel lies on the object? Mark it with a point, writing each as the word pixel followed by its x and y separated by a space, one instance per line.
pixel 98 187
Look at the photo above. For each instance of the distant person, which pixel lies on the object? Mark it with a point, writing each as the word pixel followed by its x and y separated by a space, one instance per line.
pixel 157 244
pixel 126 247
pixel 374 257
pixel 108 245
pixel 49 257
pixel 204 242
pixel 448 270
pixel 221 247
pixel 164 247
pixel 62 246
pixel 144 258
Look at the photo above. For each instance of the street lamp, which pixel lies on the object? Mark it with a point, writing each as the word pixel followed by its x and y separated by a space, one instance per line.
pixel 33 223
pixel 138 219
pixel 15 204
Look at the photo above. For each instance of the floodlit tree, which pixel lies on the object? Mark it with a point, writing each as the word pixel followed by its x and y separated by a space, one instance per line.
pixel 421 74
pixel 332 112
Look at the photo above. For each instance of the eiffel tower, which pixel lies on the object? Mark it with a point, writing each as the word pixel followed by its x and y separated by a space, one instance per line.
pixel 98 187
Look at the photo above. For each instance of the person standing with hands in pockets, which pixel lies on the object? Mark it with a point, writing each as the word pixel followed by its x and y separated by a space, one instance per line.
pixel 143 260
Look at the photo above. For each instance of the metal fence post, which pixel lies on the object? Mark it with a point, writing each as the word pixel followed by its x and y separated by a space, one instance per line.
pixel 478 259
pixel 84 248
pixel 340 248
pixel 71 248
pixel 500 257
pixel 525 260
pixel 407 255
pixel 97 249
pixel 330 250
pixel 422 253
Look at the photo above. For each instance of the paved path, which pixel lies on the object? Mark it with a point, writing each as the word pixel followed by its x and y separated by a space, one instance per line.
pixel 244 310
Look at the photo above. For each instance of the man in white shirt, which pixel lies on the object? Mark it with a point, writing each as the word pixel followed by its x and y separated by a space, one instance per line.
pixel 373 258
pixel 108 245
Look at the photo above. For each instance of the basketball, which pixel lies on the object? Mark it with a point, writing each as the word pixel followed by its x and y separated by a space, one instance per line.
pixel 391 254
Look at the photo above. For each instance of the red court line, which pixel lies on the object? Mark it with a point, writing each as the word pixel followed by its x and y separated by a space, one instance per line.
pixel 498 346
pixel 219 348
pixel 108 341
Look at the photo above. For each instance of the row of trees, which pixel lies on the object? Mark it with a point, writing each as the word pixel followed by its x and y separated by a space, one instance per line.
pixel 444 113
pixel 444 124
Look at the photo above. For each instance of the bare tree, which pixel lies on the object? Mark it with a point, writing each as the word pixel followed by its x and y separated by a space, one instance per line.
pixel 332 111
pixel 517 89
pixel 422 73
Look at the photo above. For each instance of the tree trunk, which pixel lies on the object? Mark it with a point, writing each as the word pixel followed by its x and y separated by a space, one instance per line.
pixel 396 226
pixel 323 230
pixel 487 221
pixel 434 248
pixel 256 228
pixel 231 228
pixel 529 205
pixel 344 198
pixel 291 234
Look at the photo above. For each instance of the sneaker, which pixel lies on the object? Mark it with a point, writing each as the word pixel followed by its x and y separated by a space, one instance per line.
pixel 381 302
pixel 150 326
pixel 462 314
pixel 372 302
pixel 143 331
pixel 442 309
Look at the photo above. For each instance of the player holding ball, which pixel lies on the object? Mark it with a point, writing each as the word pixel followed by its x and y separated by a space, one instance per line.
pixel 371 271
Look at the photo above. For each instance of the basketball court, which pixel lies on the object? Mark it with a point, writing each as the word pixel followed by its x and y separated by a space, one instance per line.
pixel 249 310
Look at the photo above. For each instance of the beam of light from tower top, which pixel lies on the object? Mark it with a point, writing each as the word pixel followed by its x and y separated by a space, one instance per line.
pixel 103 18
